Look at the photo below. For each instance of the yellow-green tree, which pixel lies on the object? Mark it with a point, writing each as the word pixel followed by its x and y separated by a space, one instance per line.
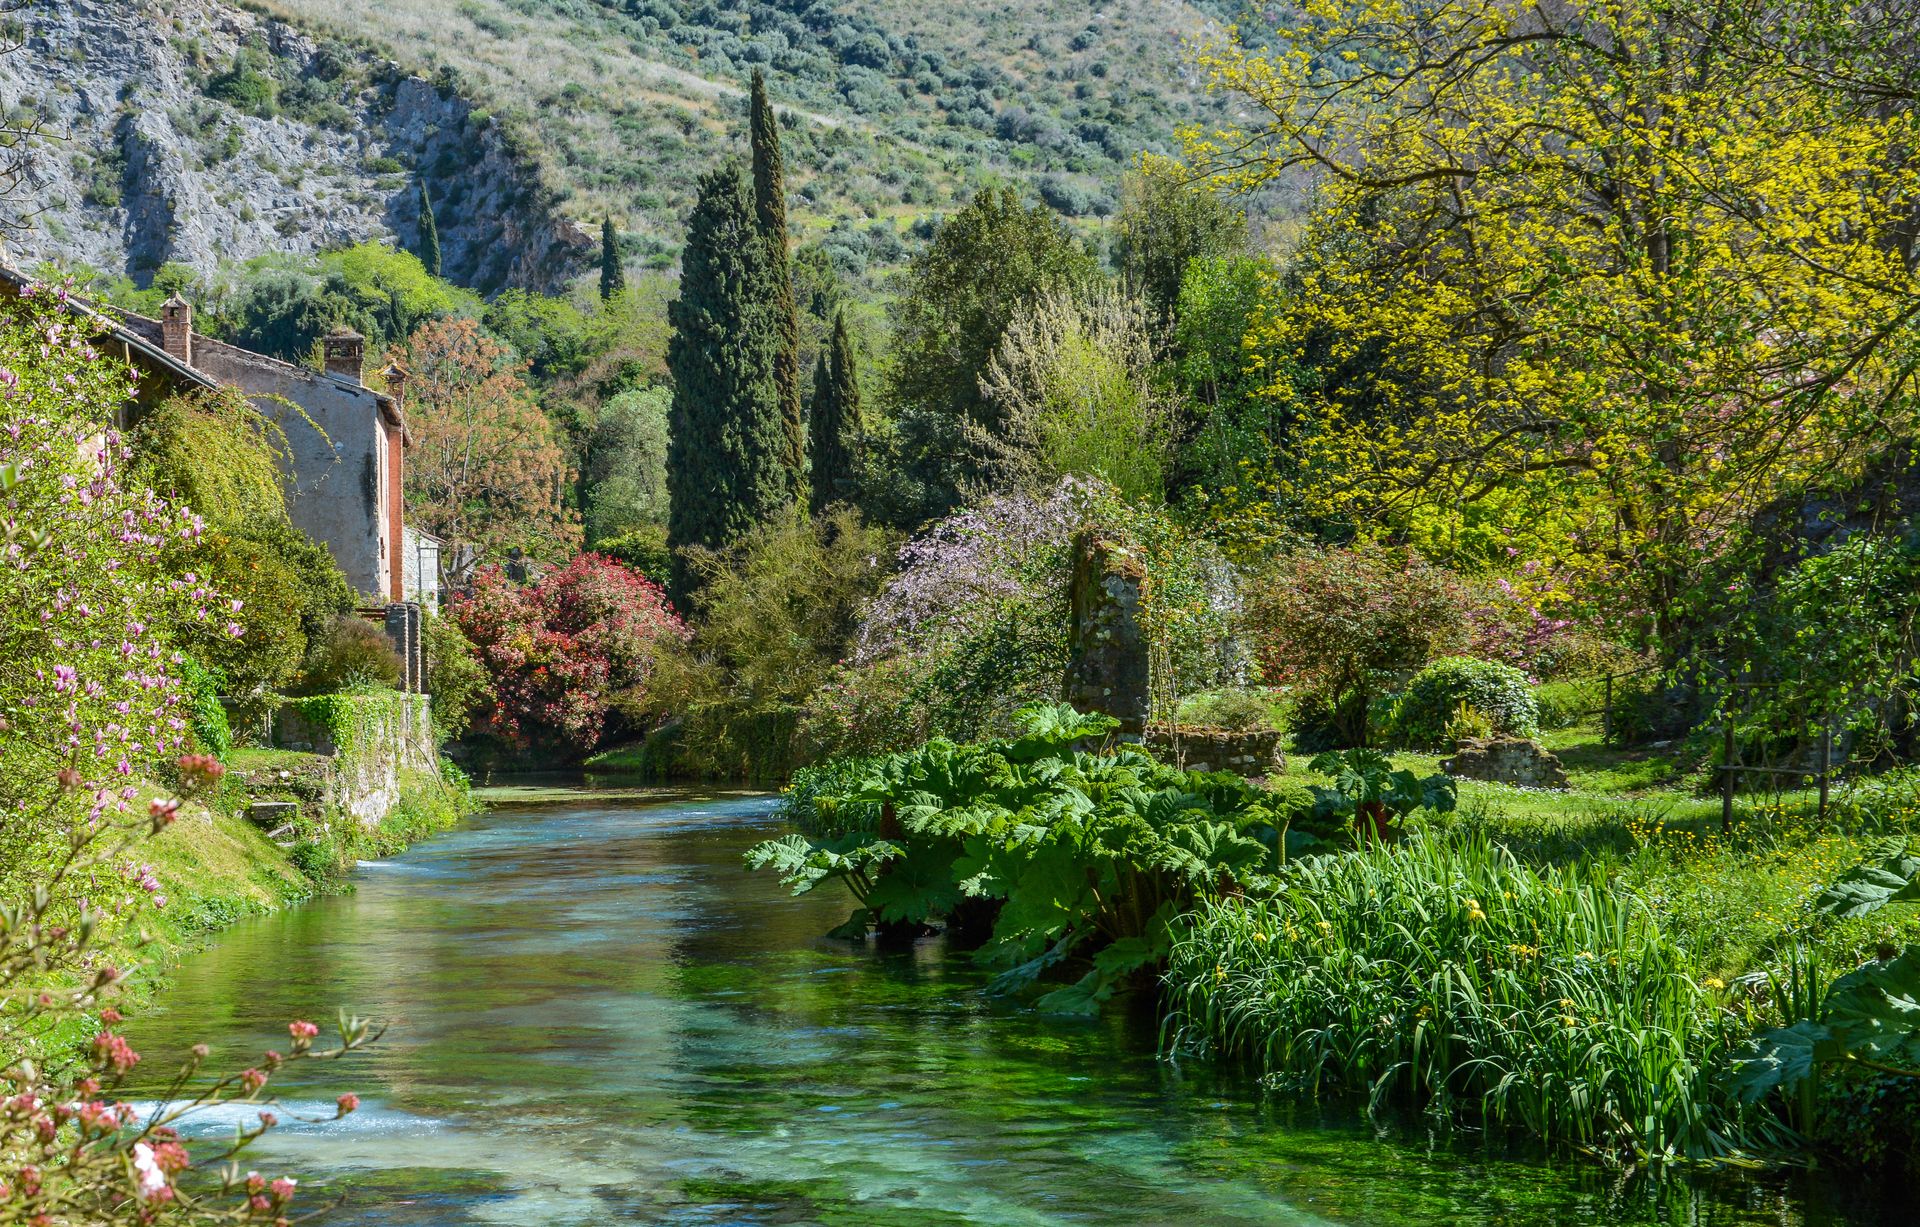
pixel 1647 275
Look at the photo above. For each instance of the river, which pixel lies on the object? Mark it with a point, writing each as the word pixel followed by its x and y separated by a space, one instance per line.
pixel 596 1016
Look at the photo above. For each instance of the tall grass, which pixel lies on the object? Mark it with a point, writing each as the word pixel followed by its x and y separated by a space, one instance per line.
pixel 1443 973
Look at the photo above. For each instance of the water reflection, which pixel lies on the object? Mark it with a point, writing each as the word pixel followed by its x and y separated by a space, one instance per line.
pixel 596 1016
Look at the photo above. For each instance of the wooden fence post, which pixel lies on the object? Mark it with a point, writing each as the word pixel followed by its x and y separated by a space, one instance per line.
pixel 1826 768
pixel 1726 772
pixel 1606 712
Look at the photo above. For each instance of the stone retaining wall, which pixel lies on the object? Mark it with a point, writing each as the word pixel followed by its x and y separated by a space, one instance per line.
pixel 373 739
pixel 1251 754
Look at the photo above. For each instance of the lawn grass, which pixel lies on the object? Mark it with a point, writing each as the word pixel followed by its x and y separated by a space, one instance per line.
pixel 1734 899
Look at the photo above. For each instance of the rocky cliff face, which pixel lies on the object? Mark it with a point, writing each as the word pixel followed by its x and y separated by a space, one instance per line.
pixel 193 132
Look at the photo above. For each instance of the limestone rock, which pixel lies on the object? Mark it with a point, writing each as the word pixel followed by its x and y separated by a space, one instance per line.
pixel 1506 760
pixel 151 170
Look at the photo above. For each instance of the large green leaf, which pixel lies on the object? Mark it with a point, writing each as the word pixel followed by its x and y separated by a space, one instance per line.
pixel 1893 877
pixel 1870 1014
pixel 1782 1057
pixel 804 863
pixel 1082 997
pixel 1048 893
pixel 854 927
pixel 916 886
pixel 1874 1011
pixel 1023 974
pixel 1048 727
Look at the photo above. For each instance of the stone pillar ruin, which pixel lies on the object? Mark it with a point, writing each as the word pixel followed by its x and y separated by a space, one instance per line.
pixel 1107 662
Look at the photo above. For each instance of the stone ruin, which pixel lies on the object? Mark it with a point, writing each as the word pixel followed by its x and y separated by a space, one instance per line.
pixel 1506 760
pixel 1107 668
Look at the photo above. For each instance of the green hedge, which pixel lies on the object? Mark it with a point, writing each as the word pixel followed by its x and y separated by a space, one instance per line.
pixel 1498 691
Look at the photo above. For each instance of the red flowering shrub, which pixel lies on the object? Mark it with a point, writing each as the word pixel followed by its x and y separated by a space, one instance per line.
pixel 568 653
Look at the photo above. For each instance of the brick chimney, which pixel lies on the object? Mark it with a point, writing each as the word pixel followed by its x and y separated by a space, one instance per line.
pixel 176 328
pixel 344 349
pixel 395 377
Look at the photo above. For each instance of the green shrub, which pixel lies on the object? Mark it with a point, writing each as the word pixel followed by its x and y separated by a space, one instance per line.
pixel 1444 974
pixel 774 617
pixel 455 677
pixel 351 652
pixel 246 85
pixel 205 714
pixel 817 801
pixel 644 549
pixel 1236 711
pixel 1562 705
pixel 1498 691
pixel 1318 723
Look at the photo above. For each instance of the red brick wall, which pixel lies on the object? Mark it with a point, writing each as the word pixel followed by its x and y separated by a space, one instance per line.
pixel 396 505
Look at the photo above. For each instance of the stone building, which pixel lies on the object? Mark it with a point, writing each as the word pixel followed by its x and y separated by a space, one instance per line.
pixel 347 443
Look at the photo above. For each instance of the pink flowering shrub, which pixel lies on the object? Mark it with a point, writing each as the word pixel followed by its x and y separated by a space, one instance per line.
pixel 570 654
pixel 90 705
pixel 87 613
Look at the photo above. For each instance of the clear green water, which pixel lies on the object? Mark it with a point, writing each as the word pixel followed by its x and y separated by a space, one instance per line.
pixel 597 1016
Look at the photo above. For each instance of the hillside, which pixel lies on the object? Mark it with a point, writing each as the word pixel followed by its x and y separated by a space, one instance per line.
pixel 896 107
pixel 197 131
pixel 193 132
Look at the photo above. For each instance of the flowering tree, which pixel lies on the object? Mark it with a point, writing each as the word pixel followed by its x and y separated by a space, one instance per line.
pixel 90 706
pixel 486 470
pixel 85 607
pixel 975 565
pixel 569 652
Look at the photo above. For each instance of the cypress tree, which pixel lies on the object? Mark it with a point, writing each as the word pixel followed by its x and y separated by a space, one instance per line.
pixel 727 460
pixel 429 233
pixel 835 421
pixel 770 210
pixel 613 276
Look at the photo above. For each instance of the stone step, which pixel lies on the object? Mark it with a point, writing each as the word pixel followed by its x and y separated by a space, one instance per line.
pixel 271 814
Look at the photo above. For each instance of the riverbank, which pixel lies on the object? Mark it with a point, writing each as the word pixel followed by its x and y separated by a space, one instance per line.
pixel 213 866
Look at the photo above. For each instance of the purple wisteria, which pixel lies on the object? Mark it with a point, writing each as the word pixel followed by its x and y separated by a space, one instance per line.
pixel 1011 548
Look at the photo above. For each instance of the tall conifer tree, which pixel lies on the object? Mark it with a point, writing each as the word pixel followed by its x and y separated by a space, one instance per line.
pixel 613 276
pixel 429 233
pixel 835 422
pixel 727 454
pixel 770 210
